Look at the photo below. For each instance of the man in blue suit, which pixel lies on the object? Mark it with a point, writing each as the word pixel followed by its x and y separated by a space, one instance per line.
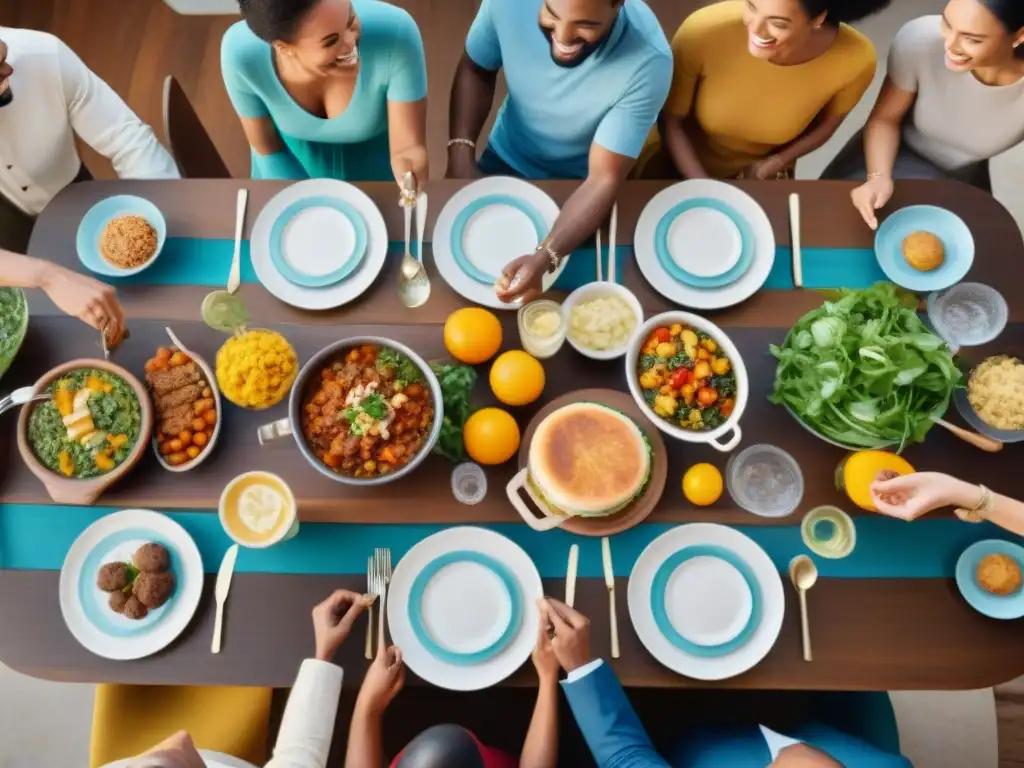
pixel 617 739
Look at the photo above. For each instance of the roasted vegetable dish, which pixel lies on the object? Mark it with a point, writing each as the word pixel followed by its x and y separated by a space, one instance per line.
pixel 89 427
pixel 186 411
pixel 686 378
pixel 369 413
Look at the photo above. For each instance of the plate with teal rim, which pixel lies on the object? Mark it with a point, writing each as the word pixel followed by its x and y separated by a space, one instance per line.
pixel 704 243
pixel 485 226
pixel 465 607
pixel 957 241
pixel 462 607
pixel 115 538
pixel 318 241
pixel 994 606
pixel 475 226
pixel 721 642
pixel 706 600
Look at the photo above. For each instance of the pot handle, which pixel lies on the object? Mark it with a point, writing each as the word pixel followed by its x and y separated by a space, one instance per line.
pixel 546 523
pixel 274 430
pixel 729 444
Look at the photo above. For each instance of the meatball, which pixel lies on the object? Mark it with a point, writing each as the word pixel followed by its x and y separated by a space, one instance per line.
pixel 134 609
pixel 153 589
pixel 152 558
pixel 118 600
pixel 112 577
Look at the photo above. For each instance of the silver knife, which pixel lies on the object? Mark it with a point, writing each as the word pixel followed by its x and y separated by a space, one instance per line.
pixel 570 576
pixel 227 569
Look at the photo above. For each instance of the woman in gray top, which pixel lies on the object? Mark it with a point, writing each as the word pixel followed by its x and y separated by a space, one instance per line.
pixel 952 100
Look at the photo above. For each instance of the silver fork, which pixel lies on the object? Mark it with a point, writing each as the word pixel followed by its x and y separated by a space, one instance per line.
pixel 371 587
pixel 382 558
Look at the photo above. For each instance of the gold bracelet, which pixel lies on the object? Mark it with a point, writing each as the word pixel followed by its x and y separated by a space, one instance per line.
pixel 872 176
pixel 463 142
pixel 981 509
pixel 554 258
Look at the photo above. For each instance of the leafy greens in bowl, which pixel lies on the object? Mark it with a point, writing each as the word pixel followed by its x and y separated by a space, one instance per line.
pixel 13 325
pixel 864 371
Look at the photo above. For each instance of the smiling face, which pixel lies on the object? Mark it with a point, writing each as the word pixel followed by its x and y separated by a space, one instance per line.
pixel 327 39
pixel 576 28
pixel 776 28
pixel 975 37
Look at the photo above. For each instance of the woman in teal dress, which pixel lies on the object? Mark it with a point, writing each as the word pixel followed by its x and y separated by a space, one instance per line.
pixel 329 89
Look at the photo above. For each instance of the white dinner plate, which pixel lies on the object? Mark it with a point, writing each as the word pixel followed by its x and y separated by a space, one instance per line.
pixel 492 235
pixel 717 625
pixel 336 294
pixel 112 538
pixel 464 609
pixel 720 235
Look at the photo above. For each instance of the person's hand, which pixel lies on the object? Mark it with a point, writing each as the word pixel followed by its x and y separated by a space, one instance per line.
pixel 414 161
pixel 571 642
pixel 333 620
pixel 462 163
pixel 871 196
pixel 523 279
pixel 544 659
pixel 384 679
pixel 908 497
pixel 766 169
pixel 86 298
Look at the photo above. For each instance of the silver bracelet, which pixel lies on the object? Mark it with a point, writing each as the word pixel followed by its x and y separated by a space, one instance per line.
pixel 554 258
pixel 463 142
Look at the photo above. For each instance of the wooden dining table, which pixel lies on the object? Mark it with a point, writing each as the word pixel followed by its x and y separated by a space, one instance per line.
pixel 869 633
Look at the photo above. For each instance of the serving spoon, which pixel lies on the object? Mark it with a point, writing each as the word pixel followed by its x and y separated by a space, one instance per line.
pixel 413 283
pixel 804 574
pixel 22 396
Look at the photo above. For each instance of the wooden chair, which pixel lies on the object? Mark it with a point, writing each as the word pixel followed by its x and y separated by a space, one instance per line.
pixel 191 146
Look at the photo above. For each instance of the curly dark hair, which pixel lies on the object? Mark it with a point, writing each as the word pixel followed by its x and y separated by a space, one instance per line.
pixel 844 11
pixel 1011 15
pixel 272 20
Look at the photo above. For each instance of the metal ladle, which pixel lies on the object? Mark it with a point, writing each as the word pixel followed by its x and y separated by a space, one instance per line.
pixel 804 574
pixel 413 283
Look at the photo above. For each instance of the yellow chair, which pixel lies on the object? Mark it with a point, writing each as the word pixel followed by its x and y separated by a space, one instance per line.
pixel 129 719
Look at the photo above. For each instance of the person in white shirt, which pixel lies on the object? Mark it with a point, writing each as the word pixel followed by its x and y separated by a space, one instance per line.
pixel 81 296
pixel 304 740
pixel 47 96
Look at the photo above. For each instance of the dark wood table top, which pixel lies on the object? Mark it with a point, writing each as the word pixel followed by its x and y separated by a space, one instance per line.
pixel 868 633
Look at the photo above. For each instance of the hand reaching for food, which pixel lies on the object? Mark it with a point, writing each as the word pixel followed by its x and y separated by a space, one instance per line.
pixel 522 280
pixel 333 620
pixel 86 298
pixel 871 196
pixel 909 497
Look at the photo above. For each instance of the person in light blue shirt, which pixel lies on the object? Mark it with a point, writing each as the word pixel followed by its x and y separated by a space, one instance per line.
pixel 586 81
pixel 617 739
pixel 329 88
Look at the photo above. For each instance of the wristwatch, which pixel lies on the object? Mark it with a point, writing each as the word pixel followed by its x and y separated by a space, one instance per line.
pixel 978 513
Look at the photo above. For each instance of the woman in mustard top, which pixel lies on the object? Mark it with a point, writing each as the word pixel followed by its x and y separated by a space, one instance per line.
pixel 758 84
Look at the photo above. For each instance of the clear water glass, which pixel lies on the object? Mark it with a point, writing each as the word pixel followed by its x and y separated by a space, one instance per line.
pixel 469 483
pixel 968 314
pixel 765 480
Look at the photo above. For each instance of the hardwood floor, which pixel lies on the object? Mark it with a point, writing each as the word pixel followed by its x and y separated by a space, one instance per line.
pixel 135 44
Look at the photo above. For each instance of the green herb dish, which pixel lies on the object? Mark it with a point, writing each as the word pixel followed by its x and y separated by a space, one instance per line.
pixel 89 428
pixel 863 371
pixel 13 325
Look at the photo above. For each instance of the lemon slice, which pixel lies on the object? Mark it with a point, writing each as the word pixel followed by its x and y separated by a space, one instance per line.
pixel 260 507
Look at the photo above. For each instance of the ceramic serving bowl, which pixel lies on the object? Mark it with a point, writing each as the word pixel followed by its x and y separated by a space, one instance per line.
pixel 211 380
pixel 598 290
pixel 68 490
pixel 15 343
pixel 95 221
pixel 712 437
pixel 292 426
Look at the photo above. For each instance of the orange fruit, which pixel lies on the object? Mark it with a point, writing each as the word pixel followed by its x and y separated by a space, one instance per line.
pixel 491 436
pixel 517 378
pixel 472 335
pixel 702 484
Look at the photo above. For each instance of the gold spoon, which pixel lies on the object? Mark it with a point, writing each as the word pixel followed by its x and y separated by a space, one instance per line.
pixel 803 573
pixel 413 283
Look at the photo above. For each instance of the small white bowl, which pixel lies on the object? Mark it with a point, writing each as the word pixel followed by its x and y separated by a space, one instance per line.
pixel 595 291
pixel 211 379
pixel 711 436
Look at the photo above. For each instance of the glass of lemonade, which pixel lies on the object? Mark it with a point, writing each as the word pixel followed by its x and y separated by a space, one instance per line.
pixel 257 510
pixel 541 328
pixel 829 532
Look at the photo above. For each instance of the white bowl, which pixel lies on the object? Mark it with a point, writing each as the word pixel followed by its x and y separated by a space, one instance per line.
pixel 211 379
pixel 594 291
pixel 711 436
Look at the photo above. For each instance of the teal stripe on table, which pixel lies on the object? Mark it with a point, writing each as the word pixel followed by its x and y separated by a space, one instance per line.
pixel 37 537
pixel 192 261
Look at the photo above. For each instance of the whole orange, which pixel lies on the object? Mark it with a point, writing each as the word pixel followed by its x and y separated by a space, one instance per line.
pixel 472 335
pixel 491 436
pixel 517 378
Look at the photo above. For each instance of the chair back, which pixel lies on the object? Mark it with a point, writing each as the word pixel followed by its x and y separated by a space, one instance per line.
pixel 190 144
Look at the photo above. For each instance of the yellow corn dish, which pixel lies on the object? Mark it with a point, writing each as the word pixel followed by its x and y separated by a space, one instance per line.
pixel 996 392
pixel 256 369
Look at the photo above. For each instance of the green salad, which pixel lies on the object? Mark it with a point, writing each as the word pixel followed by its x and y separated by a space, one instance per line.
pixel 13 317
pixel 864 370
pixel 89 427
